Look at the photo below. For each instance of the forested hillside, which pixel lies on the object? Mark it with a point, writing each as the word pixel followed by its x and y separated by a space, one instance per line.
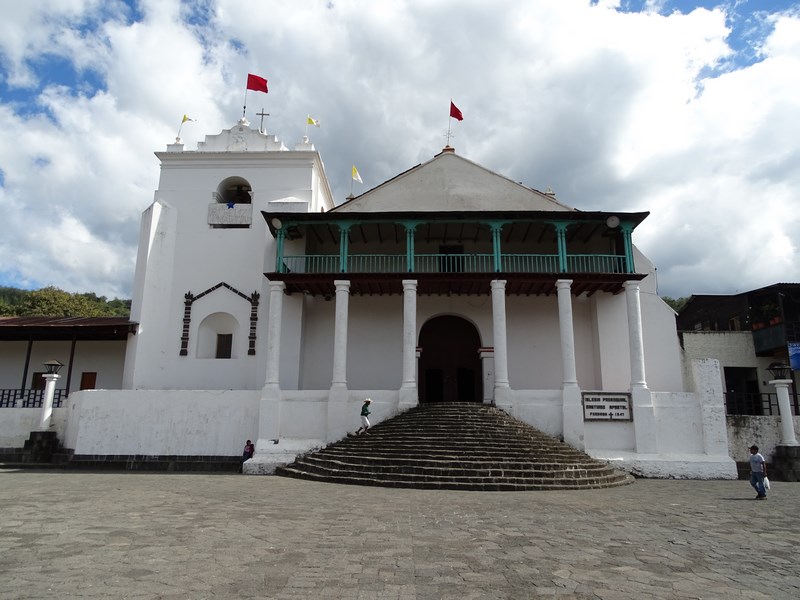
pixel 53 302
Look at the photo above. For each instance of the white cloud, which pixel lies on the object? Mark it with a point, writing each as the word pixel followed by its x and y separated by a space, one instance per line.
pixel 614 110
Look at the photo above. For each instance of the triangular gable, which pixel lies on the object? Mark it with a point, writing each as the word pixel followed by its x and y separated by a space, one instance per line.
pixel 449 182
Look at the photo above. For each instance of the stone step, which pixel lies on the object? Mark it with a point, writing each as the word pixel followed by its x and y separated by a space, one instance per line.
pixel 456 446
pixel 459 453
pixel 465 484
pixel 445 469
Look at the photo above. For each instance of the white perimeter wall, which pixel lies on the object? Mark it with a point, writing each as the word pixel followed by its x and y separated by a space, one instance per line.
pixel 181 422
pixel 16 424
pixel 764 432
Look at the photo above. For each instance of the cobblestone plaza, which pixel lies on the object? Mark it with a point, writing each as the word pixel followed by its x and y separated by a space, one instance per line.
pixel 187 536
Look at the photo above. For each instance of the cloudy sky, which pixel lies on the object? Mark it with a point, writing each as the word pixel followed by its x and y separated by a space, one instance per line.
pixel 687 109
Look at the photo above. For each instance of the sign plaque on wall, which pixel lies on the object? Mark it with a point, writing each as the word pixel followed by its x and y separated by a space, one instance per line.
pixel 599 406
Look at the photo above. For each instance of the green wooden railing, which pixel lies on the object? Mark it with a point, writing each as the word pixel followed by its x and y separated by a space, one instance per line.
pixel 453 263
pixel 377 263
pixel 529 263
pixel 595 263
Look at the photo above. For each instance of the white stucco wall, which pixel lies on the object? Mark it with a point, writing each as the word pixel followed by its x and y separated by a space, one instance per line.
pixel 16 424
pixel 375 343
pixel 181 422
pixel 764 432
pixel 180 252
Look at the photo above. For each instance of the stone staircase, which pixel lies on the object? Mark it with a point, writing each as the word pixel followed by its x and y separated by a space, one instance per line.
pixel 456 446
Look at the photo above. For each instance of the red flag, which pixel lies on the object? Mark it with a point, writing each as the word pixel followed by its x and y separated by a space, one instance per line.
pixel 455 113
pixel 256 83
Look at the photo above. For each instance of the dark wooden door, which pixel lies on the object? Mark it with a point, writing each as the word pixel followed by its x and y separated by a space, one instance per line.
pixel 449 364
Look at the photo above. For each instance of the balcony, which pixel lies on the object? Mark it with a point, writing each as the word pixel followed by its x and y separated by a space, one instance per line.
pixel 230 216
pixel 319 264
pixel 769 338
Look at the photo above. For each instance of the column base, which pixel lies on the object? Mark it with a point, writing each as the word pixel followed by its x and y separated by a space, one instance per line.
pixel 785 463
pixel 269 413
pixel 338 418
pixel 409 398
pixel 644 420
pixel 572 415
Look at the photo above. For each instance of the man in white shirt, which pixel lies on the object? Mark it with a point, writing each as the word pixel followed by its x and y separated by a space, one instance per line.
pixel 758 470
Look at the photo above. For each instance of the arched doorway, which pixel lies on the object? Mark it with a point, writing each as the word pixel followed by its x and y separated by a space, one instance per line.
pixel 449 363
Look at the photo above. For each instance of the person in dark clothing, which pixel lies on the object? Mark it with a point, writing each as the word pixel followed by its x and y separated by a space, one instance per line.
pixel 247 453
pixel 364 417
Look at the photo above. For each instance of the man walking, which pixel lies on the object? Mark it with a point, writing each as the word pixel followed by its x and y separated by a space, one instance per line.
pixel 758 470
pixel 364 417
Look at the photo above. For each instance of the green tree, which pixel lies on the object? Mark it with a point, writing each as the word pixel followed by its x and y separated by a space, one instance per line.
pixel 6 309
pixel 54 302
pixel 676 303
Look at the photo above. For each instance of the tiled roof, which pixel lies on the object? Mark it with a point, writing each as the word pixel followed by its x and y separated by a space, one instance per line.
pixel 66 328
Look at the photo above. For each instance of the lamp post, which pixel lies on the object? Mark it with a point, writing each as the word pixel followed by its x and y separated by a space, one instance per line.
pixel 50 377
pixel 781 380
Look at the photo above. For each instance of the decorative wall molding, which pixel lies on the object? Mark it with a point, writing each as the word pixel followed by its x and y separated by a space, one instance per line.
pixel 189 300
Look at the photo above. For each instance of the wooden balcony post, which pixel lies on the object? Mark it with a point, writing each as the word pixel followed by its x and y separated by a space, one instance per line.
pixel 410 226
pixel 561 237
pixel 627 230
pixel 344 245
pixel 496 228
pixel 279 239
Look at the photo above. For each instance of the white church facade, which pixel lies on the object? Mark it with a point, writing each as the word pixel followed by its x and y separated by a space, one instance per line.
pixel 266 311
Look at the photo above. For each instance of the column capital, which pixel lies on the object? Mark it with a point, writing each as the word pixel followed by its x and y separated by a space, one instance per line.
pixel 631 285
pixel 342 285
pixel 564 284
pixel 498 284
pixel 409 285
pixel 496 226
pixel 277 286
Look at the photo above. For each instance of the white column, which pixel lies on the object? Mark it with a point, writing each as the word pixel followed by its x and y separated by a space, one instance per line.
pixel 644 412
pixel 340 334
pixel 788 437
pixel 269 411
pixel 276 289
pixel 567 331
pixel 636 341
pixel 500 339
pixel 409 333
pixel 574 429
pixel 409 395
pixel 45 421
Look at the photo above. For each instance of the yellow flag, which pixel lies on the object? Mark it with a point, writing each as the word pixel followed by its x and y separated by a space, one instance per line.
pixel 311 121
pixel 185 118
pixel 356 176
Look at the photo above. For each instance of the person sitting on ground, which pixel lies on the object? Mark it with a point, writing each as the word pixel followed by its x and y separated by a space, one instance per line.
pixel 247 453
